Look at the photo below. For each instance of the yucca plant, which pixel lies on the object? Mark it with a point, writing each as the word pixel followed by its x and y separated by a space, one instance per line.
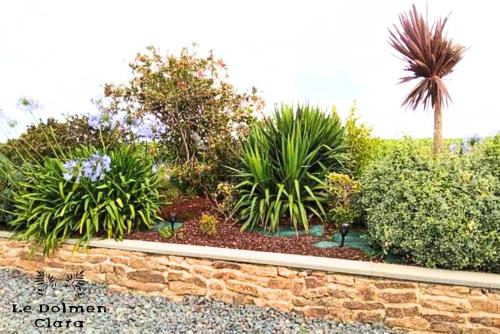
pixel 283 168
pixel 430 56
pixel 106 193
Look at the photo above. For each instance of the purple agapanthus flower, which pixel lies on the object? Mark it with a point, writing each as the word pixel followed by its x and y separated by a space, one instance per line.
pixel 96 166
pixel 71 168
pixel 148 128
pixel 93 168
pixel 100 120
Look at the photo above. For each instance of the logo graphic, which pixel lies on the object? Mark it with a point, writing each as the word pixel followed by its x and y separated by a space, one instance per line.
pixel 75 281
pixel 43 281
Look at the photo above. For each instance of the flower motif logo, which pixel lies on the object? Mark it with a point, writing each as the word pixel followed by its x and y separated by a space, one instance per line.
pixel 43 282
pixel 76 281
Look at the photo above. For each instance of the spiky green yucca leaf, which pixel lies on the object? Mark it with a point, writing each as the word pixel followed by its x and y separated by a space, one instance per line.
pixel 49 209
pixel 284 164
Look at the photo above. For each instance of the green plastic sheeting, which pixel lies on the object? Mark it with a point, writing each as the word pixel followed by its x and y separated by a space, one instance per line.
pixel 315 231
pixel 357 239
pixel 158 226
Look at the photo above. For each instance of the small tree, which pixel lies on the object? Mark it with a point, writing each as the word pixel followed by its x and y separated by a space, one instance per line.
pixel 429 55
pixel 204 115
pixel 190 95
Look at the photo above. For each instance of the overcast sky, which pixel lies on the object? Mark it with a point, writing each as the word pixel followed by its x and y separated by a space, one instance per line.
pixel 60 53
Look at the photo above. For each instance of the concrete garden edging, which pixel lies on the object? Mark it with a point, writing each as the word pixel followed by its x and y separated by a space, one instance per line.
pixel 407 297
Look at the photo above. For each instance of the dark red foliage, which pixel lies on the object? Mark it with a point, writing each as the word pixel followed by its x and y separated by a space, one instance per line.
pixel 429 56
pixel 229 235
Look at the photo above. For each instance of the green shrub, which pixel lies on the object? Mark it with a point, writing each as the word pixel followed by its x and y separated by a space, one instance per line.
pixel 168 189
pixel 9 178
pixel 342 189
pixel 361 147
pixel 197 177
pixel 285 161
pixel 441 213
pixel 109 193
pixel 208 224
pixel 52 138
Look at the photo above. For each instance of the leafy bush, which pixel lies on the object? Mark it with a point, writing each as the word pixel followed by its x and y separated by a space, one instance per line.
pixel 285 161
pixel 342 188
pixel 197 177
pixel 208 224
pixel 109 193
pixel 167 188
pixel 385 147
pixel 203 112
pixel 440 212
pixel 52 138
pixel 361 147
pixel 9 178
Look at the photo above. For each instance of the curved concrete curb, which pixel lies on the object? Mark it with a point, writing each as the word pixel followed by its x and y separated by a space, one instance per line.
pixel 385 270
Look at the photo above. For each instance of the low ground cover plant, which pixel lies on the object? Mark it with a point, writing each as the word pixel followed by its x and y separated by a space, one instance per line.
pixel 208 224
pixel 441 212
pixel 284 164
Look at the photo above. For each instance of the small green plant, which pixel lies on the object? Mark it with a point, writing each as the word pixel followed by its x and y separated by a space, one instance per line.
pixel 360 145
pixel 342 189
pixel 208 224
pixel 224 198
pixel 167 232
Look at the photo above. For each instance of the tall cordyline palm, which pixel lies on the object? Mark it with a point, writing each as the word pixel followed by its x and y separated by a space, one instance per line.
pixel 429 56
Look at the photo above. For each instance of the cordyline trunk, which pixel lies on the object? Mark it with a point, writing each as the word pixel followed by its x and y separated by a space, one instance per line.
pixel 438 129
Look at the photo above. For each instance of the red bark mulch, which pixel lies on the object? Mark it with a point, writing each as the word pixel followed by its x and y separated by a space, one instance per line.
pixel 229 235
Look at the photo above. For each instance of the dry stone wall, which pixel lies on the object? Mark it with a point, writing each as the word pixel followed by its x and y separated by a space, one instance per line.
pixel 418 307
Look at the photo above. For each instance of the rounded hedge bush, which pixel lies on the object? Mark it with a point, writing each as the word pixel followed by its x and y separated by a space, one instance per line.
pixel 441 212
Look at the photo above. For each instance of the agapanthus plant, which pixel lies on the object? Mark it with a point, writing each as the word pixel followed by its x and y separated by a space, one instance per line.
pixel 108 192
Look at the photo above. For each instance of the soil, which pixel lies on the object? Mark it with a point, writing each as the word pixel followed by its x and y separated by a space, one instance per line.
pixel 229 235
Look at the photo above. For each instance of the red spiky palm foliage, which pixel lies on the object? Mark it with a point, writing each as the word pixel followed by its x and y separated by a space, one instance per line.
pixel 429 56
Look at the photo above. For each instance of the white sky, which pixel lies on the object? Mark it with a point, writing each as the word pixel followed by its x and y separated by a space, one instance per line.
pixel 60 53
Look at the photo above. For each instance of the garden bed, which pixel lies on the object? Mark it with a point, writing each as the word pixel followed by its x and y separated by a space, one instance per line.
pixel 229 235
